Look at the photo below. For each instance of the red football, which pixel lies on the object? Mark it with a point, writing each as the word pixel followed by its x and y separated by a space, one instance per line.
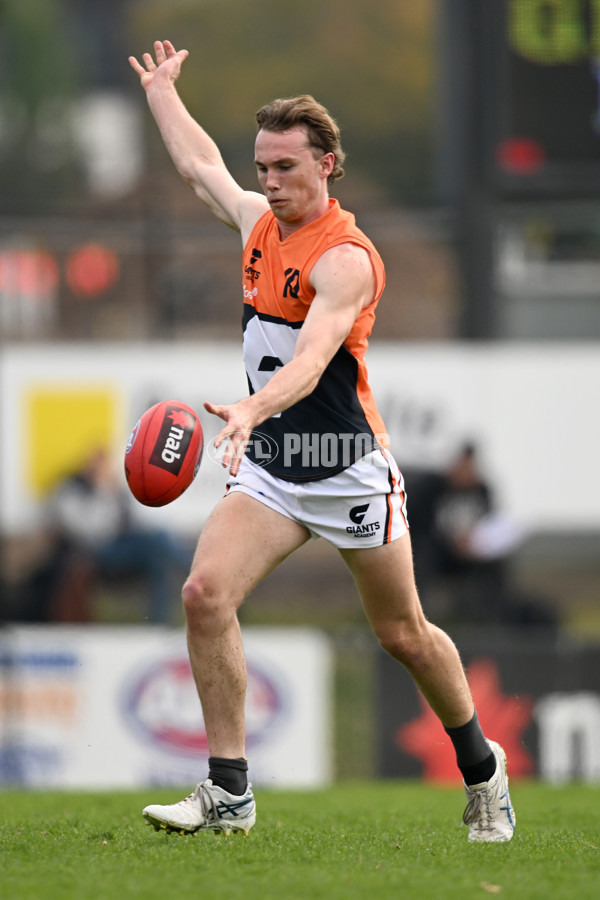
pixel 163 453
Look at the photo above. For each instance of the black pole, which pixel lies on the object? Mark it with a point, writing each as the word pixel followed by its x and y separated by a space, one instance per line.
pixel 467 106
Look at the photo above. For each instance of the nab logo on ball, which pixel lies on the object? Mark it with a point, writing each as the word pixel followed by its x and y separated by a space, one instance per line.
pixel 173 440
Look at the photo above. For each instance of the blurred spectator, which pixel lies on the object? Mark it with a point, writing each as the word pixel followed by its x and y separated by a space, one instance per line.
pixel 92 537
pixel 463 547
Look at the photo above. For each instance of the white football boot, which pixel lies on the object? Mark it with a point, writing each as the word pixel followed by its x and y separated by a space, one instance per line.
pixel 209 808
pixel 489 813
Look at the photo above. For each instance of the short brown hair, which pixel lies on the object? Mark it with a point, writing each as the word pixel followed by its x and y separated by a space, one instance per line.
pixel 323 131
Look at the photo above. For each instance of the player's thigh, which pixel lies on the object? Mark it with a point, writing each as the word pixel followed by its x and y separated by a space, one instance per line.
pixel 242 541
pixel 384 577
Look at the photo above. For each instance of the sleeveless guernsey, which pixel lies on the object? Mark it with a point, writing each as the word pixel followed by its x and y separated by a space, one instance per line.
pixel 338 422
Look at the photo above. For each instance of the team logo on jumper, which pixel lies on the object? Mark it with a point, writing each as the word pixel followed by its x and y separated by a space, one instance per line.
pixel 360 529
pixel 173 440
pixel 253 274
pixel 269 364
pixel 292 284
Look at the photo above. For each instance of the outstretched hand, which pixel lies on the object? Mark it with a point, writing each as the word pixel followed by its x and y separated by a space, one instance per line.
pixel 168 61
pixel 236 433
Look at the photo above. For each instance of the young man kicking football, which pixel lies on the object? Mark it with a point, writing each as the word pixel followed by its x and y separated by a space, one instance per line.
pixel 311 283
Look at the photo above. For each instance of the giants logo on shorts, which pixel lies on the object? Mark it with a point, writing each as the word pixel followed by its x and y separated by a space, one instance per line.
pixel 360 530
pixel 173 440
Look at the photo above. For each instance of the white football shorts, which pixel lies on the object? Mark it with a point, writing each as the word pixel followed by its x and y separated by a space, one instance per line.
pixel 362 506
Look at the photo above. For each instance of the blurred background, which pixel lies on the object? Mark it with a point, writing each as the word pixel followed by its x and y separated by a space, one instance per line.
pixel 473 139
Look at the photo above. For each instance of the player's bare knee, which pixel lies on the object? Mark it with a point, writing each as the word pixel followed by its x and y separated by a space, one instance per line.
pixel 403 643
pixel 201 599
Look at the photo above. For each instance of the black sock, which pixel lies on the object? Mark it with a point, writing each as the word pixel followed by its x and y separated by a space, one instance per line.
pixel 230 774
pixel 474 757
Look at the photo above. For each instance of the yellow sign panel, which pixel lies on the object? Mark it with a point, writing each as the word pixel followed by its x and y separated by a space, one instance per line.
pixel 65 425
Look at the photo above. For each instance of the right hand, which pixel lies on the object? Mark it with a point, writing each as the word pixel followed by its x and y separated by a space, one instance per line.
pixel 168 62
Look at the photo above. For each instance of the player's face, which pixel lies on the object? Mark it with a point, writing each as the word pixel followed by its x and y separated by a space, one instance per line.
pixel 292 175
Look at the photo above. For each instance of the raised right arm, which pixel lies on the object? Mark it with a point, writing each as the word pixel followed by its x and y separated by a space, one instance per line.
pixel 194 153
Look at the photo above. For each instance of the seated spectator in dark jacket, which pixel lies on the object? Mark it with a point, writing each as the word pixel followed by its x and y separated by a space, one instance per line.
pixel 463 546
pixel 94 535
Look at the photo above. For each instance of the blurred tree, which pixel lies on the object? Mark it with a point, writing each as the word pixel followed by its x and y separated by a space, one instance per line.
pixel 370 63
pixel 38 78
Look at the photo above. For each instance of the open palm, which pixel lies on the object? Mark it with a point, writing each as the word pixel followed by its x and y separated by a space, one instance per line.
pixel 168 62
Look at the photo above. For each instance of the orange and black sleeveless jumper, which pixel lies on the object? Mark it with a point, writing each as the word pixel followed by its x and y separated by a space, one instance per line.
pixel 277 297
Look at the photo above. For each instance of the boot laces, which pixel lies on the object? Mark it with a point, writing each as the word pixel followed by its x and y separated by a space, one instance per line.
pixel 202 795
pixel 472 809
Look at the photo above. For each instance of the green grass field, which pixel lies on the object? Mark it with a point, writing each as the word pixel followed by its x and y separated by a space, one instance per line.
pixel 363 840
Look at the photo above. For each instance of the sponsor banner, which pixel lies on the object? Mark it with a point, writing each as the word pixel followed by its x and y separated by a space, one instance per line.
pixel 103 707
pixel 64 401
pixel 539 698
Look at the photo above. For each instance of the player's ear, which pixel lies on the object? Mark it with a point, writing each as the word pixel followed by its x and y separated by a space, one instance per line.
pixel 327 164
